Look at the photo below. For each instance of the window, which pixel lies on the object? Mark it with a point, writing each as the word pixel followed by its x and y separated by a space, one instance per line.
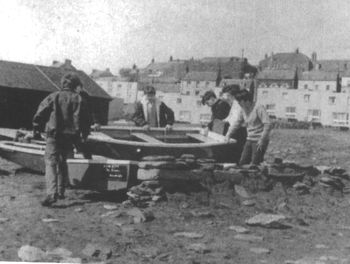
pixel 284 95
pixel 205 117
pixel 197 83
pixel 264 94
pixel 160 97
pixel 327 87
pixel 188 82
pixel 178 100
pixel 291 112
pixel 207 84
pixel 274 85
pixel 199 103
pixel 306 98
pixel 185 116
pixel 197 92
pixel 348 83
pixel 305 86
pixel 314 112
pixel 316 87
pixel 331 100
pixel 348 100
pixel 262 85
pixel 187 92
pixel 290 109
pixel 340 119
pixel 119 86
pixel 270 107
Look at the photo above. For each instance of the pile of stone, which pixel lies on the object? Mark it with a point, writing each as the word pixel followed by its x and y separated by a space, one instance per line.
pixel 146 194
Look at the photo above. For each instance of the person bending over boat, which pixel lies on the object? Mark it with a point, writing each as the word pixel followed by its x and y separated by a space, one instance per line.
pixel 241 134
pixel 64 114
pixel 220 109
pixel 258 128
pixel 152 112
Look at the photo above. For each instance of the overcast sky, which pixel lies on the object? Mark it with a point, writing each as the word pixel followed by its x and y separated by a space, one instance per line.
pixel 118 33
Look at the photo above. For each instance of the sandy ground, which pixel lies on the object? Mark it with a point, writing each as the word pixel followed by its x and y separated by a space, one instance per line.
pixel 321 233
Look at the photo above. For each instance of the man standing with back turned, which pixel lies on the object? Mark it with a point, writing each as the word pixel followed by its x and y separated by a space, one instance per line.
pixel 64 115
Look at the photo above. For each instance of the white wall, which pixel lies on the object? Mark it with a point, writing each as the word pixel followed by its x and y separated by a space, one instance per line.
pixel 278 99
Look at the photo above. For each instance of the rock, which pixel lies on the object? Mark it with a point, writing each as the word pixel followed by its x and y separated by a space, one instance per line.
pixel 267 220
pixel 71 260
pixel 239 229
pixel 148 252
pixel 189 235
pixel 301 188
pixel 30 254
pixel 199 248
pixel 139 216
pixel 110 207
pixel 127 204
pixel 164 257
pixel 91 250
pixel 49 220
pixel 206 161
pixel 321 246
pixel 233 176
pixel 260 250
pixel 114 213
pixel 184 205
pixel 249 238
pixel 322 169
pixel 4 219
pixel 241 191
pixel 61 252
pixel 159 158
pixel 248 202
pixel 78 210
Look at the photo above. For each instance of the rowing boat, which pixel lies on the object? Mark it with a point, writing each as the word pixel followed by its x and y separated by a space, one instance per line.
pixel 98 173
pixel 133 143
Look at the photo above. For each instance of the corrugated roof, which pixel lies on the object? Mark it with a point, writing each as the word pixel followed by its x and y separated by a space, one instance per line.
pixel 42 78
pixel 201 76
pixel 276 75
pixel 317 75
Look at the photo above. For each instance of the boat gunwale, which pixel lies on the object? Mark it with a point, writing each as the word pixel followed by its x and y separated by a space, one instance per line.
pixel 109 139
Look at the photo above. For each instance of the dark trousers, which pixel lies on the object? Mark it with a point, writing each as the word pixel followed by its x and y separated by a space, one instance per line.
pixel 251 154
pixel 56 172
pixel 241 136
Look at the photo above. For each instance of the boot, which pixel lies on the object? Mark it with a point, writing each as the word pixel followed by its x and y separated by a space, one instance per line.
pixel 49 200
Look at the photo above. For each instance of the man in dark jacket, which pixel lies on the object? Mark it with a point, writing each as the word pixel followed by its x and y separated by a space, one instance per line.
pixel 151 112
pixel 219 109
pixel 65 117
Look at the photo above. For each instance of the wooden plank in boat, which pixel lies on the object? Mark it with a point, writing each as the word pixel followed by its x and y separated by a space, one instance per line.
pixel 147 138
pixel 201 138
pixel 219 138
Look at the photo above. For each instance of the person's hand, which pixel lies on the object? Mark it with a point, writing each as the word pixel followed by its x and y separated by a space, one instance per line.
pixel 37 135
pixel 262 143
pixel 205 131
pixel 168 127
pixel 227 138
pixel 96 127
pixel 146 127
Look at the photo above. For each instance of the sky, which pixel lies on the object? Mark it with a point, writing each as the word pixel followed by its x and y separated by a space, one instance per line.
pixel 100 34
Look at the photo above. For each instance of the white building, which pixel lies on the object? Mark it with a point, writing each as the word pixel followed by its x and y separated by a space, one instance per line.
pixel 120 88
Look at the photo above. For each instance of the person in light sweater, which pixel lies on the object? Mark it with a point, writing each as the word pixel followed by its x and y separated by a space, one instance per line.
pixel 240 135
pixel 258 124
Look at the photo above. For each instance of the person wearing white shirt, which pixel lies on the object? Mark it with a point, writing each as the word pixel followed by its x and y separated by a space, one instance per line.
pixel 240 134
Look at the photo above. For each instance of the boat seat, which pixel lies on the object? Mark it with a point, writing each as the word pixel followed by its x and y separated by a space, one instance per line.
pixel 201 138
pixel 147 138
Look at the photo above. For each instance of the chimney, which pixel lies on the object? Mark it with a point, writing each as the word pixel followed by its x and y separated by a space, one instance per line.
pixel 152 61
pixel 297 51
pixel 171 58
pixel 266 56
pixel 55 62
pixel 68 62
pixel 314 56
pixel 108 70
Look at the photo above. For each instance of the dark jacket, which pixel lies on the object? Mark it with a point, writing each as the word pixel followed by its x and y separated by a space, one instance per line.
pixel 62 113
pixel 220 110
pixel 165 116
